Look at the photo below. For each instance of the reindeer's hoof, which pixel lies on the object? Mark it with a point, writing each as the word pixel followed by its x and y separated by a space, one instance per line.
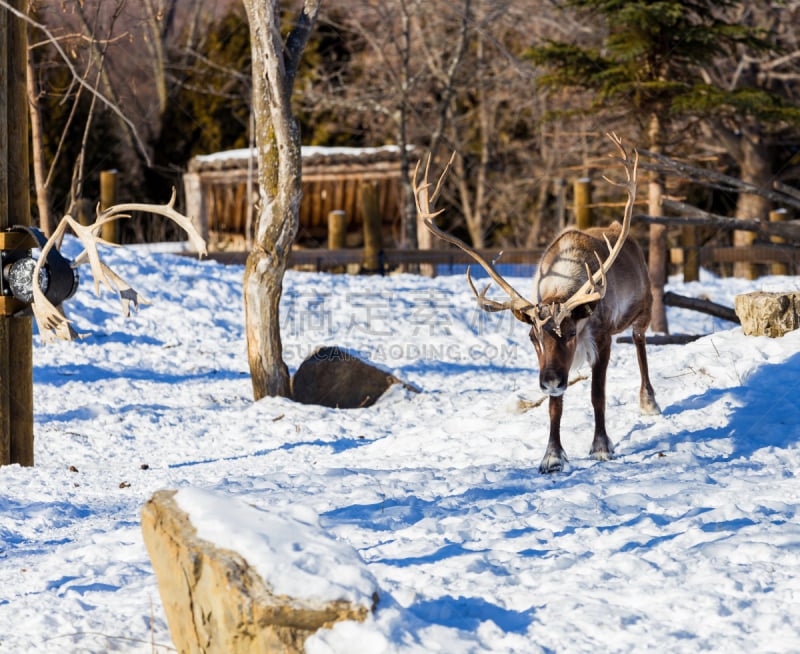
pixel 650 409
pixel 602 449
pixel 553 462
pixel 602 455
pixel 648 406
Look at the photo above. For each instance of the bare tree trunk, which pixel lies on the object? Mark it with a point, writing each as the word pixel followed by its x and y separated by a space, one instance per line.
pixel 658 238
pixel 159 19
pixel 279 169
pixel 409 215
pixel 755 169
pixel 37 150
pixel 475 218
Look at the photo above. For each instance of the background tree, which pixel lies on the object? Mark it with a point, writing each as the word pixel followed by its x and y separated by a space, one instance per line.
pixel 275 62
pixel 209 109
pixel 109 49
pixel 749 106
pixel 646 66
pixel 443 76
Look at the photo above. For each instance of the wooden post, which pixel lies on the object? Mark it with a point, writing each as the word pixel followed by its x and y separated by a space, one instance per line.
pixel 196 205
pixel 86 211
pixel 583 198
pixel 108 198
pixel 16 334
pixel 337 234
pixel 691 254
pixel 373 223
pixel 337 229
pixel 559 186
pixel 778 216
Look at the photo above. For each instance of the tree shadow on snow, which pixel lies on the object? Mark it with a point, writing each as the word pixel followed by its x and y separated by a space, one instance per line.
pixel 467 613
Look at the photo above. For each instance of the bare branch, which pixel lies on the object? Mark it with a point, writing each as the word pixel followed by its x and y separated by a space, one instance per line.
pixel 77 77
pixel 718 180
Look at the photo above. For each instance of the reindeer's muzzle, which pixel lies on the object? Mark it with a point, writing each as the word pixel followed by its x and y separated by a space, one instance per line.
pixel 552 382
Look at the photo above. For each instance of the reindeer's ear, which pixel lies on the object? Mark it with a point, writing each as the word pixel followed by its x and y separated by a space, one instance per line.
pixel 522 316
pixel 583 311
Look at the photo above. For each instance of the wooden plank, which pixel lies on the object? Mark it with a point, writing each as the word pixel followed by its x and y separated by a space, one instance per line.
pixel 17 241
pixel 762 253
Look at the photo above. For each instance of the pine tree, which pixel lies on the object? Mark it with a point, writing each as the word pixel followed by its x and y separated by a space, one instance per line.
pixel 649 66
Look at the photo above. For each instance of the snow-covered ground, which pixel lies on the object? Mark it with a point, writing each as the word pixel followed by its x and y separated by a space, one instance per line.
pixel 688 541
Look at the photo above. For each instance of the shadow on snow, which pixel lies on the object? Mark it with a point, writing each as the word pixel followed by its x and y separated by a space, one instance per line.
pixel 764 411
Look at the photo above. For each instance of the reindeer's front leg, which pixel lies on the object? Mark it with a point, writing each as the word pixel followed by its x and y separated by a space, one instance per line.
pixel 602 449
pixel 554 458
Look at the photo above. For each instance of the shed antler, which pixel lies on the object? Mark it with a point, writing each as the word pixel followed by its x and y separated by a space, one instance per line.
pixel 424 199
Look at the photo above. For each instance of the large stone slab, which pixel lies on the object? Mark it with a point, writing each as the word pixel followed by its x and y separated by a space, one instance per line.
pixel 338 378
pixel 768 314
pixel 217 602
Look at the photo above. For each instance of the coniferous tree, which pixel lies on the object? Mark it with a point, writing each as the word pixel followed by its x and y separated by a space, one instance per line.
pixel 648 66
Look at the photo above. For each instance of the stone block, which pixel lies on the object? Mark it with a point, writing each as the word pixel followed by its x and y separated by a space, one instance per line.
pixel 216 602
pixel 768 314
pixel 338 378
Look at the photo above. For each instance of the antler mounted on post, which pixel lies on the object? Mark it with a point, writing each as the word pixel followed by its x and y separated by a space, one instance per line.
pixel 51 319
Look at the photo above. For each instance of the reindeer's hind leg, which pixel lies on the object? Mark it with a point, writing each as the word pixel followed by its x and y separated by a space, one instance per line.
pixel 647 397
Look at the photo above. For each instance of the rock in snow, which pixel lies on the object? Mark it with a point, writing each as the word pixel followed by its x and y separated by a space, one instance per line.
pixel 338 378
pixel 234 578
pixel 768 314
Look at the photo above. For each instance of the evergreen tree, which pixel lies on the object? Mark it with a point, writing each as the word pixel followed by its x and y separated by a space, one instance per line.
pixel 649 67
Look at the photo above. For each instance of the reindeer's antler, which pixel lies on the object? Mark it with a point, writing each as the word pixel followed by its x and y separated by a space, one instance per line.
pixel 517 302
pixel 592 290
pixel 595 286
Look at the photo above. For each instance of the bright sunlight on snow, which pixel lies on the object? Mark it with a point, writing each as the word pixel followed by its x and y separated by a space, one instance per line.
pixel 689 540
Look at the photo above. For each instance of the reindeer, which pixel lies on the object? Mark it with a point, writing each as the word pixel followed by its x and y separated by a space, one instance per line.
pixel 585 290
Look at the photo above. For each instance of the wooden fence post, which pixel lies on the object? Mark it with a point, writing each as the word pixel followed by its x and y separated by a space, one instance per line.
pixel 778 216
pixel 16 334
pixel 196 204
pixel 108 198
pixel 337 234
pixel 583 198
pixel 373 224
pixel 691 254
pixel 559 188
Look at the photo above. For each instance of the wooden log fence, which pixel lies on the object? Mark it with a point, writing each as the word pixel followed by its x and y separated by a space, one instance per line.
pixel 323 260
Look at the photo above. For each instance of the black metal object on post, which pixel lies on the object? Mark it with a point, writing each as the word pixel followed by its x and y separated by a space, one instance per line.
pixel 58 279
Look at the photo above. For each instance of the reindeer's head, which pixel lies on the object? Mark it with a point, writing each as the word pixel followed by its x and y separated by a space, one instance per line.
pixel 558 336
pixel 559 321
